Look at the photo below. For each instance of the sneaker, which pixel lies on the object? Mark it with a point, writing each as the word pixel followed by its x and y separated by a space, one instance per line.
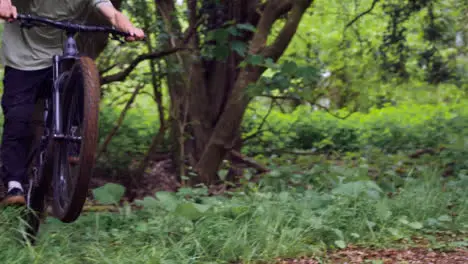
pixel 14 196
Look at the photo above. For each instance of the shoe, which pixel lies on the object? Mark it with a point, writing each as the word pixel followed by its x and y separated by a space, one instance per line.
pixel 15 196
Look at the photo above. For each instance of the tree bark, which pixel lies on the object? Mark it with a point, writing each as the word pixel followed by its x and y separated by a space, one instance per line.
pixel 227 127
pixel 175 81
pixel 207 96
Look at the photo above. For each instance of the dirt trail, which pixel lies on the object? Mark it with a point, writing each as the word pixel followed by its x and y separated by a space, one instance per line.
pixel 389 256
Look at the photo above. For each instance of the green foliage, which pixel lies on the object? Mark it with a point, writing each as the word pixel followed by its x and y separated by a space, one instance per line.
pixel 367 59
pixel 286 78
pixel 221 41
pixel 394 128
pixel 132 139
pixel 110 193
pixel 257 224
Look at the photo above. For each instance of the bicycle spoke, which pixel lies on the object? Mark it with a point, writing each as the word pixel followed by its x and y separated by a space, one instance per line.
pixel 70 151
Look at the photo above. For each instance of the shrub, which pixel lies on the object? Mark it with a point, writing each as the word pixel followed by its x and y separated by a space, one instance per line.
pixel 131 140
pixel 393 128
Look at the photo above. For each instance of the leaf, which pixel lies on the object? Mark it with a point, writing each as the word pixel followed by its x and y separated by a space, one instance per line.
pixel 239 47
pixel 248 175
pixel 255 60
pixel 403 220
pixel 233 31
pixel 309 74
pixel 239 209
pixel 222 174
pixel 340 243
pixel 191 211
pixel 202 207
pixel 142 227
pixel 219 35
pixel 383 211
pixel 444 218
pixel 354 189
pixel 109 193
pixel 459 244
pixel 284 196
pixel 148 203
pixel 168 200
pixel 338 233
pixel 371 224
pixel 221 52
pixel 289 67
pixel 247 27
pixel 395 233
pixel 274 174
pixel 432 222
pixel 415 225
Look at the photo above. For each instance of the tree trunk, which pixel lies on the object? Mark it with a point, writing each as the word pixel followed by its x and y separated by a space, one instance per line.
pixel 212 83
pixel 208 99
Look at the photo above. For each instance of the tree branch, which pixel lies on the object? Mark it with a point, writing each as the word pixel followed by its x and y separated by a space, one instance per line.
pixel 276 49
pixel 121 76
pixel 112 133
pixel 350 23
pixel 248 161
pixel 273 10
pixel 293 98
pixel 106 70
pixel 333 114
pixel 262 123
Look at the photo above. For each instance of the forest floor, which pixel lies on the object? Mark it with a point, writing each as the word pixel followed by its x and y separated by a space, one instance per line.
pixel 387 256
pixel 273 222
pixel 422 253
pixel 158 177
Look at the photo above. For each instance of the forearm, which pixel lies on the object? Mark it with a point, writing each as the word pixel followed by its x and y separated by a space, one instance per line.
pixel 120 21
pixel 116 18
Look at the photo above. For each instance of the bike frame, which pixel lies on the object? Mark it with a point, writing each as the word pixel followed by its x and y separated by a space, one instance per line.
pixel 70 55
pixel 53 102
pixel 52 113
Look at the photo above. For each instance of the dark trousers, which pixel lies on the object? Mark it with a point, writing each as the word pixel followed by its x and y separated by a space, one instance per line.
pixel 21 89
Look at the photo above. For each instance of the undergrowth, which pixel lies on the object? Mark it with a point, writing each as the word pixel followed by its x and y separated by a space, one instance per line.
pixel 259 222
pixel 396 128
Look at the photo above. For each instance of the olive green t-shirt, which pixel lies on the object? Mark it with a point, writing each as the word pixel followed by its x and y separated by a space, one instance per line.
pixel 32 49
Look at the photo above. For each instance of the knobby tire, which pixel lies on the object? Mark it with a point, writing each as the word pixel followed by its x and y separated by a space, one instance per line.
pixel 67 205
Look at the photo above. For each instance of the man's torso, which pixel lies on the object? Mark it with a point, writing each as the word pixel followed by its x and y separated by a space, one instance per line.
pixel 32 49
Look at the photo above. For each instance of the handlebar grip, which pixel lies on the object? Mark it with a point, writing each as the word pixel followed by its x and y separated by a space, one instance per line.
pixel 71 27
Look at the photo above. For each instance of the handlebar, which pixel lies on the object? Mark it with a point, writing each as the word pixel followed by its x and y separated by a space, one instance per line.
pixel 30 20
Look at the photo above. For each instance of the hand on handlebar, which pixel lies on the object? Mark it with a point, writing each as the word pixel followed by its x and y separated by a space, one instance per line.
pixel 7 11
pixel 135 34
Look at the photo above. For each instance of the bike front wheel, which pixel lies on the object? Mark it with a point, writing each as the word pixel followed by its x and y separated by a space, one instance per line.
pixel 75 153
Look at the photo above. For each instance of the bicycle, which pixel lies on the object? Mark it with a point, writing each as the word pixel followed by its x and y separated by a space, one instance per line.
pixel 62 156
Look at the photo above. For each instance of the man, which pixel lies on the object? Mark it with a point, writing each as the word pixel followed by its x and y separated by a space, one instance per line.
pixel 27 59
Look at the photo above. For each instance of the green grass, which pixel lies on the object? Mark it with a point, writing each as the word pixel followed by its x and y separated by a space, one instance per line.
pixel 258 224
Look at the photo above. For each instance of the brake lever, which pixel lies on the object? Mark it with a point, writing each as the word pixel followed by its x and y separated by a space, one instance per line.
pixel 119 38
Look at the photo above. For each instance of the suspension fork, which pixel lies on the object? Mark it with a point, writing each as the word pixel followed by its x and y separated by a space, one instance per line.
pixel 70 53
pixel 56 102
